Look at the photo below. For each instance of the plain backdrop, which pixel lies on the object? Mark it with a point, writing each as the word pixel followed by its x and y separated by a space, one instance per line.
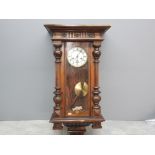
pixel 127 69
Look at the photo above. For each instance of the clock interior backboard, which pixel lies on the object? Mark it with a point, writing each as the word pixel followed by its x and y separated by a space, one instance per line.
pixel 77 76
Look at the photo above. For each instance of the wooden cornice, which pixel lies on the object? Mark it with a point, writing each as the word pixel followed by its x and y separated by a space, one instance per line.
pixel 76 32
pixel 76 28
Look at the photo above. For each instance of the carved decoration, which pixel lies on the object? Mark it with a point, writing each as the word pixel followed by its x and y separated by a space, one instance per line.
pixel 57 100
pixel 76 35
pixel 57 126
pixel 57 52
pixel 58 94
pixel 96 125
pixel 91 35
pixel 64 35
pixel 96 100
pixel 96 97
pixel 96 52
pixel 86 111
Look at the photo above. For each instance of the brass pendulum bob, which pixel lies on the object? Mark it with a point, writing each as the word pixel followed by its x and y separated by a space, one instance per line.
pixel 81 88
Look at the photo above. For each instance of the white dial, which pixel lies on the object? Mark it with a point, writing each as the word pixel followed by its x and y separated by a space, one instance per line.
pixel 77 57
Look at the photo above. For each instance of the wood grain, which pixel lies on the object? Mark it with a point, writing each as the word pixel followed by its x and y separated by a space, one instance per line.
pixel 88 37
pixel 73 76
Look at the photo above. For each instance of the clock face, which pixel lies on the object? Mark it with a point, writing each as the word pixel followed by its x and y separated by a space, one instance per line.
pixel 77 57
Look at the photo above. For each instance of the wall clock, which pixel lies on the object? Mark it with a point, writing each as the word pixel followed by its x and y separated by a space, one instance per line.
pixel 77 52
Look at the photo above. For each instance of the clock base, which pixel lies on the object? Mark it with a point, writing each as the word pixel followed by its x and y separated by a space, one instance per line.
pixel 77 126
pixel 57 126
pixel 76 130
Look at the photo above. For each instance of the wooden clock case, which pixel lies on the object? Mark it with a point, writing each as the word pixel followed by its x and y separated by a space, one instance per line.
pixel 64 38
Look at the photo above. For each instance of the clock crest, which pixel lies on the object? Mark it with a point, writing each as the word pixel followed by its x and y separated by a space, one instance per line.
pixel 77 52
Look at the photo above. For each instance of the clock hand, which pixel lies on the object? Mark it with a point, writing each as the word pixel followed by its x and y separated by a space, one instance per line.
pixel 77 56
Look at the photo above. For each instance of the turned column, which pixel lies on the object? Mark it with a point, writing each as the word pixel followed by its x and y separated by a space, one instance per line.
pixel 57 93
pixel 96 97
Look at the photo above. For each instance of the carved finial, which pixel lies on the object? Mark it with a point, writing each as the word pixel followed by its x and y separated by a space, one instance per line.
pixel 57 52
pixel 57 98
pixel 96 53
